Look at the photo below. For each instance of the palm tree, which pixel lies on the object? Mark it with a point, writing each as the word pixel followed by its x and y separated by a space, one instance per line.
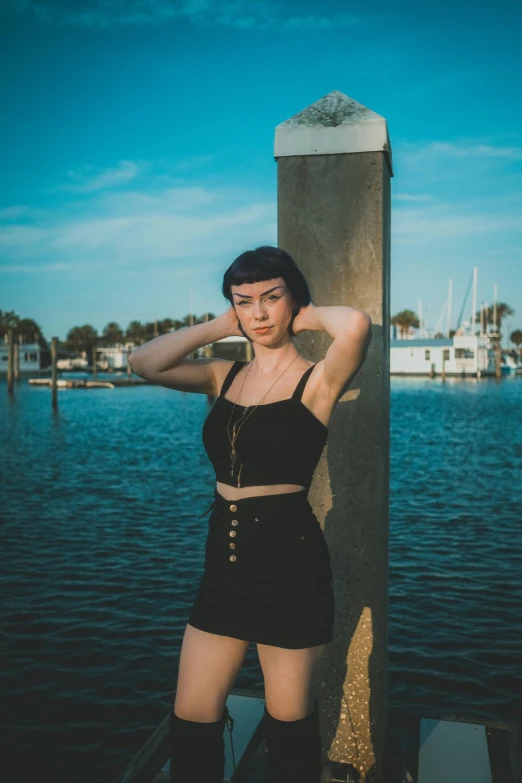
pixel 503 311
pixel 8 320
pixel 136 333
pixel 516 337
pixel 404 320
pixel 81 339
pixel 25 329
pixel 112 334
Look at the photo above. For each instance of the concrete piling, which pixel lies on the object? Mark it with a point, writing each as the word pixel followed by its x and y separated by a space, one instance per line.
pixel 54 373
pixel 334 213
pixel 10 360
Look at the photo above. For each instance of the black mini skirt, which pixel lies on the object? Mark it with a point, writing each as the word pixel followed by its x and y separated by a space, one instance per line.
pixel 267 575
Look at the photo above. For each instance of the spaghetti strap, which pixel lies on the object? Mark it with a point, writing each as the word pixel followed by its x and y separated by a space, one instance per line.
pixel 294 432
pixel 302 383
pixel 230 376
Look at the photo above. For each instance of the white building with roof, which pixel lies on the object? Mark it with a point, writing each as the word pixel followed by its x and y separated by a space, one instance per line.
pixel 30 357
pixel 113 357
pixel 463 354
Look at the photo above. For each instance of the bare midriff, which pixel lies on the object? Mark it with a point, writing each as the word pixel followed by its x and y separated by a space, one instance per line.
pixel 236 493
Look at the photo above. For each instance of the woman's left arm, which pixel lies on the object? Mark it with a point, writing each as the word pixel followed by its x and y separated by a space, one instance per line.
pixel 351 330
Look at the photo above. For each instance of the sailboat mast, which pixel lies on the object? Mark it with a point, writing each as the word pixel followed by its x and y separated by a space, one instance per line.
pixel 474 301
pixel 450 293
pixel 495 307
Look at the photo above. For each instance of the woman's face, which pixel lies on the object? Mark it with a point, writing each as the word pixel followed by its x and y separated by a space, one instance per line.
pixel 266 305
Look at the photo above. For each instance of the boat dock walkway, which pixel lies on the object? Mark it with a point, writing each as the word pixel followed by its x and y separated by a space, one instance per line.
pixel 80 383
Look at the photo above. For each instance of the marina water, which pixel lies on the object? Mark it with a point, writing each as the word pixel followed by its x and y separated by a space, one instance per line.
pixel 102 550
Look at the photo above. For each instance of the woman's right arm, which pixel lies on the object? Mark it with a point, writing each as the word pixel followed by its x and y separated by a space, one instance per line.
pixel 163 359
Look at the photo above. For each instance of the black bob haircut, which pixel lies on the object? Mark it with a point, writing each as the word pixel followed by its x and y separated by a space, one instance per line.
pixel 265 263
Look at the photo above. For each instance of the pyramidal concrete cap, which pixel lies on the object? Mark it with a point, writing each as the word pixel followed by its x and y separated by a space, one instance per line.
pixel 334 124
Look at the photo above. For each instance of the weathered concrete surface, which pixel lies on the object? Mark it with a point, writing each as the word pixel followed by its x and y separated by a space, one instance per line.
pixel 334 218
pixel 333 125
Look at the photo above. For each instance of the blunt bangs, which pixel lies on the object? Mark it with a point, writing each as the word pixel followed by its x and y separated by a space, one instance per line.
pixel 265 263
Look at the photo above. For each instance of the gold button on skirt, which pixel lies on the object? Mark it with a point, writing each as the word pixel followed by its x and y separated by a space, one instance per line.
pixel 276 586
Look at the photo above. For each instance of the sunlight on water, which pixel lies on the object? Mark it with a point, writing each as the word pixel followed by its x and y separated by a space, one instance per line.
pixel 103 551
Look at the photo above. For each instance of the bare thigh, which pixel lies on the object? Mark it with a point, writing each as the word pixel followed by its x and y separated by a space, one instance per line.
pixel 290 679
pixel 208 667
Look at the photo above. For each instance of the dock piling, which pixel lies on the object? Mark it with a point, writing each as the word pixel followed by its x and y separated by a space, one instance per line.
pixel 334 212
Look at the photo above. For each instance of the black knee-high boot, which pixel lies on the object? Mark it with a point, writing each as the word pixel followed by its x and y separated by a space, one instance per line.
pixel 294 748
pixel 197 750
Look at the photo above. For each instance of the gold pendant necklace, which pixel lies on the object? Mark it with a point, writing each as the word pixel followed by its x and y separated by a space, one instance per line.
pixel 242 419
pixel 233 453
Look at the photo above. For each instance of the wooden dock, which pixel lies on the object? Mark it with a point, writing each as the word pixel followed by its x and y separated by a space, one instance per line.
pixel 81 383
pixel 445 748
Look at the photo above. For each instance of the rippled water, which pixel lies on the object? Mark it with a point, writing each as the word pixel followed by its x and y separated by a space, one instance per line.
pixel 102 551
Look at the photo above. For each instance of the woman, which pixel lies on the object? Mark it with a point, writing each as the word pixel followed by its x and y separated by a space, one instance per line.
pixel 267 576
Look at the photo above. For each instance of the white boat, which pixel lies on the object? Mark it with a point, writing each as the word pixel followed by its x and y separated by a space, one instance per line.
pixel 510 365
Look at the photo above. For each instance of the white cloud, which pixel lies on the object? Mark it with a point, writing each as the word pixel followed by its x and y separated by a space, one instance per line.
pixel 417 226
pixel 136 202
pixel 85 182
pixel 33 269
pixel 482 150
pixel 443 154
pixel 474 192
pixel 139 230
pixel 242 14
pixel 17 235
pixel 410 197
pixel 90 179
pixel 194 161
pixel 12 213
pixel 168 224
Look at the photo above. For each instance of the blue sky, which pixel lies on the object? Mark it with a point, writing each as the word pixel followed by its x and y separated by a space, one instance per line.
pixel 137 146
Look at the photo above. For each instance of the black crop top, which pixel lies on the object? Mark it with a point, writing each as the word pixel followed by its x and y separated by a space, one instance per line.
pixel 280 442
